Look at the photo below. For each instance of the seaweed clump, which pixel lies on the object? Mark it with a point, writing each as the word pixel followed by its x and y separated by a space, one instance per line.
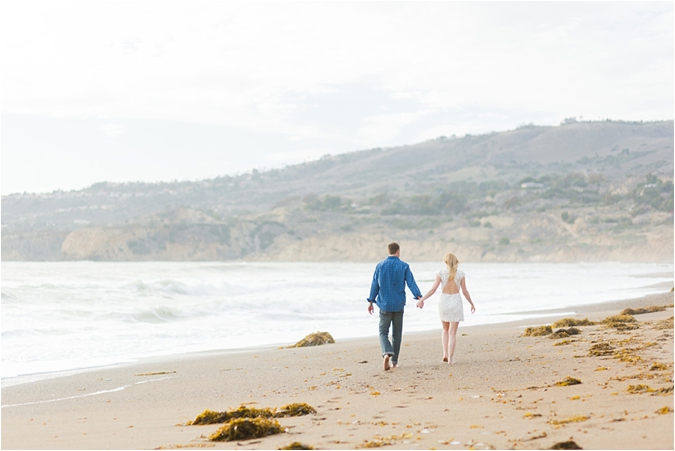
pixel 564 333
pixel 245 429
pixel 640 311
pixel 664 391
pixel 289 410
pixel 297 445
pixel 295 410
pixel 246 423
pixel 539 331
pixel 621 322
pixel 571 322
pixel 628 355
pixel 601 349
pixel 563 343
pixel 639 388
pixel 211 417
pixel 314 339
pixel 574 419
pixel 568 381
pixel 570 444
pixel 642 388
pixel 625 355
pixel 664 324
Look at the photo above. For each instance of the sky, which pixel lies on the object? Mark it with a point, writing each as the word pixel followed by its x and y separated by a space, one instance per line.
pixel 125 91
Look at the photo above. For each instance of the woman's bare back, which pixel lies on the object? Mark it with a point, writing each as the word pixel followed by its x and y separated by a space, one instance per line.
pixel 450 287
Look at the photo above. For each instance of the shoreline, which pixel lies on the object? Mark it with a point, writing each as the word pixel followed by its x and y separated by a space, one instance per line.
pixel 534 318
pixel 501 394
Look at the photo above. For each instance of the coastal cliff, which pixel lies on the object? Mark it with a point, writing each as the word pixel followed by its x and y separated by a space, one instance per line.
pixel 537 239
pixel 591 191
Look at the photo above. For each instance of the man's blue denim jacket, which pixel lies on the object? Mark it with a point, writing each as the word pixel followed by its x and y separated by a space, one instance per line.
pixel 389 281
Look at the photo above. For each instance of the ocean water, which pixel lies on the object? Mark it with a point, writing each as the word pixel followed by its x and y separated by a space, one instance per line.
pixel 69 316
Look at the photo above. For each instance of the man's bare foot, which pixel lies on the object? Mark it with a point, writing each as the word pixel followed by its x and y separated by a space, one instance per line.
pixel 395 365
pixel 387 367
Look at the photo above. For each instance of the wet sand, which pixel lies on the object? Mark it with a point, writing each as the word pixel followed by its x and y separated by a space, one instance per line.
pixel 501 393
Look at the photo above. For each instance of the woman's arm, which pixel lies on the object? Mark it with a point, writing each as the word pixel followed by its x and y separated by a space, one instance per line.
pixel 430 293
pixel 467 295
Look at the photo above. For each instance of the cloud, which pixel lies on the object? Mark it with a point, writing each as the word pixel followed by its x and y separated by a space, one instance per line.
pixel 310 78
pixel 111 129
pixel 236 64
pixel 387 127
pixel 298 156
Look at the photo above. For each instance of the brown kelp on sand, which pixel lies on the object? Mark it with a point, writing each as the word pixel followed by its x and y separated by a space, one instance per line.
pixel 297 445
pixel 572 322
pixel 640 311
pixel 621 322
pixel 566 445
pixel 212 417
pixel 537 331
pixel 623 338
pixel 244 423
pixel 289 410
pixel 568 381
pixel 245 429
pixel 294 410
pixel 314 339
pixel 564 333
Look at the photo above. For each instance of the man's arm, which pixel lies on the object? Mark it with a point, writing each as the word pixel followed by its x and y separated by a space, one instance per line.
pixel 374 290
pixel 375 285
pixel 410 280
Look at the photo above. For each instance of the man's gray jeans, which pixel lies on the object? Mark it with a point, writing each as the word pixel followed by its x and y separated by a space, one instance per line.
pixel 394 319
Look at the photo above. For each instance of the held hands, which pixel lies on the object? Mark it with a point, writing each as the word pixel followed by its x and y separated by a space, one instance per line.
pixel 420 303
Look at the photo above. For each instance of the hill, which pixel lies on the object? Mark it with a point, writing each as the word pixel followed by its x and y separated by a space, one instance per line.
pixel 581 191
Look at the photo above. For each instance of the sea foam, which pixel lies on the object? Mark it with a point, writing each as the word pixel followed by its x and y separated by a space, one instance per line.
pixel 61 316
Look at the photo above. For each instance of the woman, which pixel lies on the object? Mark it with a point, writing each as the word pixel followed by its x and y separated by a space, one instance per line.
pixel 450 307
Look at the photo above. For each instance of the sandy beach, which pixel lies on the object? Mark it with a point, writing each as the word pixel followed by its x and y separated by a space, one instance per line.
pixel 501 393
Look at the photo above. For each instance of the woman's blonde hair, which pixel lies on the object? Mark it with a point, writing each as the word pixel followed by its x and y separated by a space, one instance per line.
pixel 451 262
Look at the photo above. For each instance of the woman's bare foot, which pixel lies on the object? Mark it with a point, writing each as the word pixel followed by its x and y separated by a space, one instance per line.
pixel 445 359
pixel 386 365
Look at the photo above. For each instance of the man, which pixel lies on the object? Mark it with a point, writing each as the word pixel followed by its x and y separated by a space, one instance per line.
pixel 388 292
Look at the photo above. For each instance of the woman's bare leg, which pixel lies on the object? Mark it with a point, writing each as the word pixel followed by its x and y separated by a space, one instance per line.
pixel 444 340
pixel 452 342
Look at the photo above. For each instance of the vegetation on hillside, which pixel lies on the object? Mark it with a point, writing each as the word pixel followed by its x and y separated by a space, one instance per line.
pixel 520 190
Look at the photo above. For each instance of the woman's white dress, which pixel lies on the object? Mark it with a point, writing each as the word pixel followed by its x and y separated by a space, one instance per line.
pixel 450 308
